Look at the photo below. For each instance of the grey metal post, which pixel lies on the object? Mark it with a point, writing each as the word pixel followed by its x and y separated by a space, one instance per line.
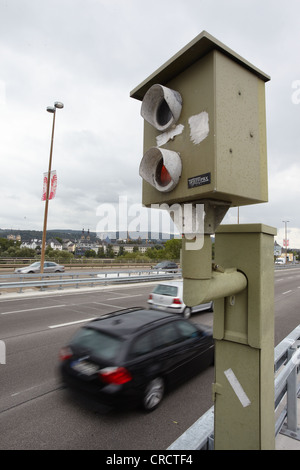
pixel 290 428
pixel 292 396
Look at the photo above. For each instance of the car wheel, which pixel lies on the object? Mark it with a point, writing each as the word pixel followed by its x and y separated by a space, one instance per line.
pixel 187 312
pixel 153 394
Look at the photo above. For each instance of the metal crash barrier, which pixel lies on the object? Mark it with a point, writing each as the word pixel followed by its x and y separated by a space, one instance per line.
pixel 62 280
pixel 200 436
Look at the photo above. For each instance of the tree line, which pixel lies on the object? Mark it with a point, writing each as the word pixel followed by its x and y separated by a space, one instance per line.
pixel 169 251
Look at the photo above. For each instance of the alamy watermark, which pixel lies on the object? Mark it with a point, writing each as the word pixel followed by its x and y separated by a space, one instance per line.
pixel 2 353
pixel 296 93
pixel 2 94
pixel 125 220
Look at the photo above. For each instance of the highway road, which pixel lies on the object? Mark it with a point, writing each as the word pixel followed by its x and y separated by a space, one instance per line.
pixel 287 302
pixel 37 413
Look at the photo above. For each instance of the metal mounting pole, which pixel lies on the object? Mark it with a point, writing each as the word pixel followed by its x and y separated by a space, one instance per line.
pixel 47 199
pixel 244 340
pixel 52 110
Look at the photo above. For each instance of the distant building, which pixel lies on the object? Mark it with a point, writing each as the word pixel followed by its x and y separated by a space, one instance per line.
pixel 16 238
pixel 54 244
pixel 129 247
pixel 85 244
pixel 277 249
pixel 69 246
pixel 33 244
pixel 36 244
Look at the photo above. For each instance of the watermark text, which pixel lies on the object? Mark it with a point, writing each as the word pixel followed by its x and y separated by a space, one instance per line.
pixel 125 220
pixel 296 93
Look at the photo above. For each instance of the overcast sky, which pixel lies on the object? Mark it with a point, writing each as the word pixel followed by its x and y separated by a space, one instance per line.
pixel 90 54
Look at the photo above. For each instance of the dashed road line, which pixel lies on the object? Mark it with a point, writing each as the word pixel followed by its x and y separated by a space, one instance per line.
pixel 72 323
pixel 125 297
pixel 32 309
pixel 107 305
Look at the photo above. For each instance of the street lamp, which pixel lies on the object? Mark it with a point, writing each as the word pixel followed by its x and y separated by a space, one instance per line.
pixel 285 222
pixel 50 109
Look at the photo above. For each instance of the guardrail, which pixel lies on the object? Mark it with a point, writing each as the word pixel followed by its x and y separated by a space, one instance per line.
pixel 287 266
pixel 287 360
pixel 62 280
pixel 200 436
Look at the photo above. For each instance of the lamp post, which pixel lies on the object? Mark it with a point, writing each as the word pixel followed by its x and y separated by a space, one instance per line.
pixel 285 222
pixel 50 109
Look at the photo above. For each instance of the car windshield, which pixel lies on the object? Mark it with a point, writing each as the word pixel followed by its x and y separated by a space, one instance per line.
pixel 34 265
pixel 165 290
pixel 98 343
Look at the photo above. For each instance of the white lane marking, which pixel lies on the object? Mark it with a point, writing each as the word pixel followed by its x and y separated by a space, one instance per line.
pixel 107 305
pixel 23 391
pixel 125 297
pixel 32 309
pixel 71 323
pixel 237 388
pixel 286 292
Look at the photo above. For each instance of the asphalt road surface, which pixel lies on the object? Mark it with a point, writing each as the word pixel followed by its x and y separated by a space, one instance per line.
pixel 37 413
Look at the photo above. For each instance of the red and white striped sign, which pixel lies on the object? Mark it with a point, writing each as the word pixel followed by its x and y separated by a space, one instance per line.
pixel 53 185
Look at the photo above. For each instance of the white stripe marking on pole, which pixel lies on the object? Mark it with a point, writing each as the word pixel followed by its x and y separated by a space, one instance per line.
pixel 238 389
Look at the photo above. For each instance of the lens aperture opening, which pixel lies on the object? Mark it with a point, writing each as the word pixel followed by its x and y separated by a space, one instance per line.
pixel 163 177
pixel 163 113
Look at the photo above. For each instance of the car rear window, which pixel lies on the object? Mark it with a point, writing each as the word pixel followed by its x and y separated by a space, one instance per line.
pixel 165 290
pixel 97 343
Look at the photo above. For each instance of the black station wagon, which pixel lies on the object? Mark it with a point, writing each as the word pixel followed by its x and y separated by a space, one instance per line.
pixel 133 356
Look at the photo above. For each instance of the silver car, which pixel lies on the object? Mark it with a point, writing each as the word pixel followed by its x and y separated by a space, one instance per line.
pixel 49 267
pixel 167 296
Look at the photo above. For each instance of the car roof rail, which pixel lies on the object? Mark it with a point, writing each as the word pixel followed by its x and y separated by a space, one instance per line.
pixel 133 309
pixel 161 320
pixel 118 312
